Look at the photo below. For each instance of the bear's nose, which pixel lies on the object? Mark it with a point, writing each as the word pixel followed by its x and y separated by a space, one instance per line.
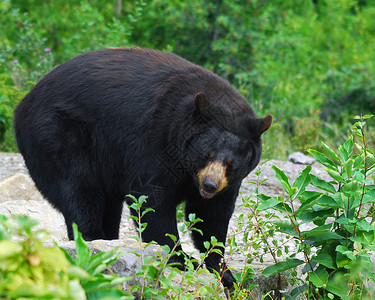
pixel 209 186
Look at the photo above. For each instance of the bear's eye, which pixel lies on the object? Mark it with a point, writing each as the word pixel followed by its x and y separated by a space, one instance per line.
pixel 210 156
pixel 228 161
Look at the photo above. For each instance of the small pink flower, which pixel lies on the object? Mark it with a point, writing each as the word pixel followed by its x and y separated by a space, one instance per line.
pixel 47 50
pixel 15 61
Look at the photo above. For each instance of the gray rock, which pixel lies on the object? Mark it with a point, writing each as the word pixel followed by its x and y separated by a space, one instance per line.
pixel 18 186
pixel 300 158
pixel 48 218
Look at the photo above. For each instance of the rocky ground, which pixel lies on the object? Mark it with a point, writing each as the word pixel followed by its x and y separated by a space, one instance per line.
pixel 19 196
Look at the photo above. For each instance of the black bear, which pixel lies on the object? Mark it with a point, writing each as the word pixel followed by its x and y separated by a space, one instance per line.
pixel 137 121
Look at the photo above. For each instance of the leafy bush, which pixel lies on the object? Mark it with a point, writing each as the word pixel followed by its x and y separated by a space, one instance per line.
pixel 297 61
pixel 160 279
pixel 337 250
pixel 13 87
pixel 9 97
pixel 29 270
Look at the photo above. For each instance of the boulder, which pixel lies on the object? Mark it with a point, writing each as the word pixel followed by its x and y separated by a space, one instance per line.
pixel 300 158
pixel 48 218
pixel 18 186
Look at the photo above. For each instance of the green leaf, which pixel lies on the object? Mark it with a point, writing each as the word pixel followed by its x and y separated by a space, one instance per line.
pixel 206 245
pixel 284 223
pixel 356 130
pixel 358 161
pixel 282 207
pixel 109 294
pixel 309 200
pixel 353 188
pixel 103 282
pixel 166 248
pixel 335 201
pixel 192 217
pixel 78 272
pixel 9 249
pixel 152 271
pixel 319 277
pixel 281 266
pixel 366 238
pixel 348 166
pixel 369 197
pixel 77 290
pixel 197 230
pixel 331 152
pixel 342 220
pixel 335 175
pixel 325 260
pixel 181 227
pixel 364 225
pixel 146 211
pixel 341 259
pixel 280 175
pixel 370 170
pixel 322 184
pixel 318 217
pixel 316 231
pixel 323 159
pixel 142 199
pixel 297 291
pixel 268 203
pixel 172 237
pixel 82 251
pixel 102 260
pixel 348 146
pixel 262 197
pixel 214 241
pixel 337 287
pixel 289 230
pixel 324 237
pixel 302 181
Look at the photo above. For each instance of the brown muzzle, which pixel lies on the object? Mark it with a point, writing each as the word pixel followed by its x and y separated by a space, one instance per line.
pixel 212 179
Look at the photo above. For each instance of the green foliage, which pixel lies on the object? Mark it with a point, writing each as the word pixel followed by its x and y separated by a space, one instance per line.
pixel 25 265
pixel 337 248
pixel 160 279
pixel 88 269
pixel 29 270
pixel 289 59
pixel 156 274
pixel 9 97
pixel 309 63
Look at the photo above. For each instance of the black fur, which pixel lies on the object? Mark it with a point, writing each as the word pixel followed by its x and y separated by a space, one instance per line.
pixel 135 121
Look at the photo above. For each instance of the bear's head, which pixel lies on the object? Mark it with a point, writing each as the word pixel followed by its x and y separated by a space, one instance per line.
pixel 225 145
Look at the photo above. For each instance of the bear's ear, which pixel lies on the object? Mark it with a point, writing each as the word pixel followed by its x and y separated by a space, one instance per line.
pixel 200 102
pixel 265 123
pixel 259 126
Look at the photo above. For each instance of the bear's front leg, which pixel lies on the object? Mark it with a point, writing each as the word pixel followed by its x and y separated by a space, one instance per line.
pixel 161 222
pixel 215 213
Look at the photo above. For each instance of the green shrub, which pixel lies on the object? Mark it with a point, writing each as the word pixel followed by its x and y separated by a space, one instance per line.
pixel 337 250
pixel 10 95
pixel 29 270
pixel 288 58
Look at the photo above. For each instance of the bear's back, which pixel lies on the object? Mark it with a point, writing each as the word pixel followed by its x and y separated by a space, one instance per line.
pixel 117 77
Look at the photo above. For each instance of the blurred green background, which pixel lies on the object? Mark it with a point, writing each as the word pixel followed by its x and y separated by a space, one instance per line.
pixel 310 63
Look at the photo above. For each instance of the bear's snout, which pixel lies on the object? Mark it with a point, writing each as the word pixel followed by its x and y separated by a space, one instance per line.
pixel 212 179
pixel 210 186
